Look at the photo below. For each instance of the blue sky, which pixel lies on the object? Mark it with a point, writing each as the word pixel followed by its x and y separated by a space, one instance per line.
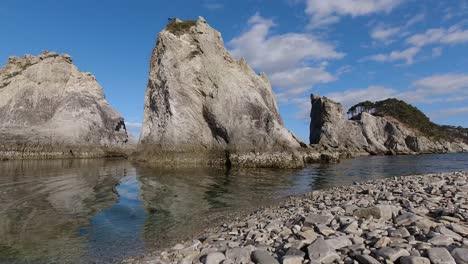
pixel 349 50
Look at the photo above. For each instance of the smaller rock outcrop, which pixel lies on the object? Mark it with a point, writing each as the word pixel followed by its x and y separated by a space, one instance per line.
pixel 49 109
pixel 369 134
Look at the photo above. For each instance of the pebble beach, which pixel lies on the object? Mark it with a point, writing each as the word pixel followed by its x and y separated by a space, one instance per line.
pixel 411 219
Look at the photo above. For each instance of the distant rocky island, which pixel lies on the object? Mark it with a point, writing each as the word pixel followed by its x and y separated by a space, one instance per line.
pixel 202 108
pixel 49 109
pixel 389 127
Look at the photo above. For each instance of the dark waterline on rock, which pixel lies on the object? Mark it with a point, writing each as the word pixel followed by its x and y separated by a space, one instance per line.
pixel 85 211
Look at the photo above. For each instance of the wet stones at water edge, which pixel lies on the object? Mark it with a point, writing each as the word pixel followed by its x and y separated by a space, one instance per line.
pixel 414 219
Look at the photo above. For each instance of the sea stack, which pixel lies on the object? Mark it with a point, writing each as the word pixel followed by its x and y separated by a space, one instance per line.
pixel 203 107
pixel 49 109
pixel 372 134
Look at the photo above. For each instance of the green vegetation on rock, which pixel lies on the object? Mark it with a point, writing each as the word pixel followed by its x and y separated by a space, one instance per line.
pixel 409 115
pixel 8 254
pixel 180 27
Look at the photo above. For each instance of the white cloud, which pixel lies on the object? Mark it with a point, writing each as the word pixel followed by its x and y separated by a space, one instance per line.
pixel 133 125
pixel 286 58
pixel 434 36
pixel 460 10
pixel 416 19
pixel 406 55
pixel 450 112
pixel 430 36
pixel 343 69
pixel 212 5
pixel 448 87
pixel 443 88
pixel 303 105
pixel 299 80
pixel 436 52
pixel 325 12
pixel 456 37
pixel 353 96
pixel 278 52
pixel 452 35
pixel 134 128
pixel 384 34
pixel 443 83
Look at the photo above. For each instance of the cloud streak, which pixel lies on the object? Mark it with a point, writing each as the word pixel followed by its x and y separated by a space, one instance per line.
pixel 353 96
pixel 384 34
pixel 406 55
pixel 449 87
pixel 450 112
pixel 324 13
pixel 294 61
pixel 435 36
pixel 134 128
pixel 213 5
pixel 387 34
pixel 451 36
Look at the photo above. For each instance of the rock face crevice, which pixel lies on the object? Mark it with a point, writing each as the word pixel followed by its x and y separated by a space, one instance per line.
pixel 201 103
pixel 369 135
pixel 49 109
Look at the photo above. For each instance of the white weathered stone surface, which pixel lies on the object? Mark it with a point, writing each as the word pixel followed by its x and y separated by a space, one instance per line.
pixel 369 135
pixel 262 257
pixel 322 252
pixel 440 255
pixel 48 108
pixel 462 230
pixel 414 260
pixel 381 211
pixel 204 107
pixel 392 254
pixel 293 260
pixel 460 255
pixel 366 259
pixel 214 258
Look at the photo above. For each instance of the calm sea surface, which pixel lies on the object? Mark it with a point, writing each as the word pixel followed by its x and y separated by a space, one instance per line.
pixel 103 211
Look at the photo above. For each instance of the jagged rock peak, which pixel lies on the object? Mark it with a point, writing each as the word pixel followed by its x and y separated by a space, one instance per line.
pixel 16 65
pixel 47 103
pixel 369 134
pixel 323 111
pixel 203 103
pixel 30 59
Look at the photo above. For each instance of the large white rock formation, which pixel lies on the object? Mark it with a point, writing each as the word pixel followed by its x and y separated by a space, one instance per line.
pixel 49 109
pixel 203 107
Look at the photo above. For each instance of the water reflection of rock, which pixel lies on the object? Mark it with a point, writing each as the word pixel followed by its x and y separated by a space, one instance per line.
pixel 180 202
pixel 45 202
pixel 115 233
pixel 49 209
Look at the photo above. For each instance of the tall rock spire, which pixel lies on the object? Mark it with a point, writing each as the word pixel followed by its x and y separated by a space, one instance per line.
pixel 204 107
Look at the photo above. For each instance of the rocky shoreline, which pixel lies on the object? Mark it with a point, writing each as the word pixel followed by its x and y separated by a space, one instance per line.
pixel 412 219
pixel 45 152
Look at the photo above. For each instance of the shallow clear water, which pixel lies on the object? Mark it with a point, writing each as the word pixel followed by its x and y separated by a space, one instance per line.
pixel 102 211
